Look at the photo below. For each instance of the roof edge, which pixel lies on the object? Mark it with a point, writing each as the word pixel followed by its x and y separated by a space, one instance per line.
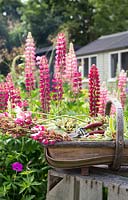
pixel 107 50
pixel 113 35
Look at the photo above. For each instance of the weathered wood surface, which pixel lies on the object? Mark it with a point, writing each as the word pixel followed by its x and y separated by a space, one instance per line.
pixel 90 190
pixel 71 185
pixel 61 189
pixel 117 192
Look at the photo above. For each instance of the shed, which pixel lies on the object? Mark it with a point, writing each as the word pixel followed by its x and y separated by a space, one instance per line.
pixel 109 53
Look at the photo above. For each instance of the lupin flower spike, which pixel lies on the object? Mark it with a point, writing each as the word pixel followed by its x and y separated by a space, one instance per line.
pixel 29 63
pixel 122 79
pixel 71 64
pixel 94 90
pixel 60 59
pixel 71 72
pixel 76 82
pixel 60 62
pixel 57 89
pixel 3 96
pixel 13 92
pixel 103 99
pixel 44 84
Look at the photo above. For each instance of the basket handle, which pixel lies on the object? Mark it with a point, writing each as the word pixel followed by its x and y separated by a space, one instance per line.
pixel 119 131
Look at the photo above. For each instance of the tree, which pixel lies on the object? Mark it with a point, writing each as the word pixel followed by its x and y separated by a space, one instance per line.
pixel 40 20
pixel 110 16
pixel 77 19
pixel 10 12
pixel 48 17
pixel 10 34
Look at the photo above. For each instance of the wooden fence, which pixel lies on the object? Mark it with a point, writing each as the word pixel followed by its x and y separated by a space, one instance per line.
pixel 100 184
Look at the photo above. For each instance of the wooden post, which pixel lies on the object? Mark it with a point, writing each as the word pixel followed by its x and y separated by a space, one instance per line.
pixel 85 171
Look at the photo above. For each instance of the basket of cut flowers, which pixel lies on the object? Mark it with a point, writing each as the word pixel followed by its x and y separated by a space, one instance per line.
pixel 95 143
pixel 98 140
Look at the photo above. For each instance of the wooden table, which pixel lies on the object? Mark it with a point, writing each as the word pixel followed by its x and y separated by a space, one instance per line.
pixel 100 184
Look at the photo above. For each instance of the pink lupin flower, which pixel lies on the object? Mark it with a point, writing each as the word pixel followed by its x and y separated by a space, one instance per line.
pixel 38 133
pixel 103 99
pixel 94 90
pixel 113 94
pixel 23 118
pixel 9 93
pixel 44 84
pixel 71 72
pixel 60 59
pixel 29 63
pixel 13 93
pixel 71 64
pixel 122 79
pixel 123 97
pixel 38 59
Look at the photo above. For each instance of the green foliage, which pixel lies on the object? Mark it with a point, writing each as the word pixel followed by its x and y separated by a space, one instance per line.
pixel 74 17
pixel 71 104
pixel 10 11
pixel 32 181
pixel 110 16
pixel 83 20
pixel 39 13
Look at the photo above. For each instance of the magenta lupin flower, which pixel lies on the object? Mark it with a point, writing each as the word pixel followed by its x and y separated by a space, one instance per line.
pixel 94 90
pixel 17 166
pixel 122 79
pixel 38 133
pixel 103 99
pixel 3 96
pixel 57 89
pixel 76 82
pixel 13 93
pixel 29 63
pixel 44 84
pixel 60 62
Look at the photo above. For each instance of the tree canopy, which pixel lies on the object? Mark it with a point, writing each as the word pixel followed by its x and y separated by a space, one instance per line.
pixel 83 20
pixel 110 16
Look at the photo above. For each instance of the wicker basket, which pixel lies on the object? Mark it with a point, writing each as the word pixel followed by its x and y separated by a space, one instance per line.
pixel 78 154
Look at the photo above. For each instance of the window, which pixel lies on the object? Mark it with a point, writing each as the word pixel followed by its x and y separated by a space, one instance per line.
pixel 124 61
pixel 118 61
pixel 114 63
pixel 93 60
pixel 86 67
pixel 85 63
pixel 79 64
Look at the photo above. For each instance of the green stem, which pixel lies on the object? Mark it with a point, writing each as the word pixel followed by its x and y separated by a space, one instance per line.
pixel 57 117
pixel 13 71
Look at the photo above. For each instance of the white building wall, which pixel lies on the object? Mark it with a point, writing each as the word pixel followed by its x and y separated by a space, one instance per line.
pixel 103 66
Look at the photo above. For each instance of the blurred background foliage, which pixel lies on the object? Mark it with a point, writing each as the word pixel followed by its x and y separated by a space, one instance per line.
pixel 83 20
